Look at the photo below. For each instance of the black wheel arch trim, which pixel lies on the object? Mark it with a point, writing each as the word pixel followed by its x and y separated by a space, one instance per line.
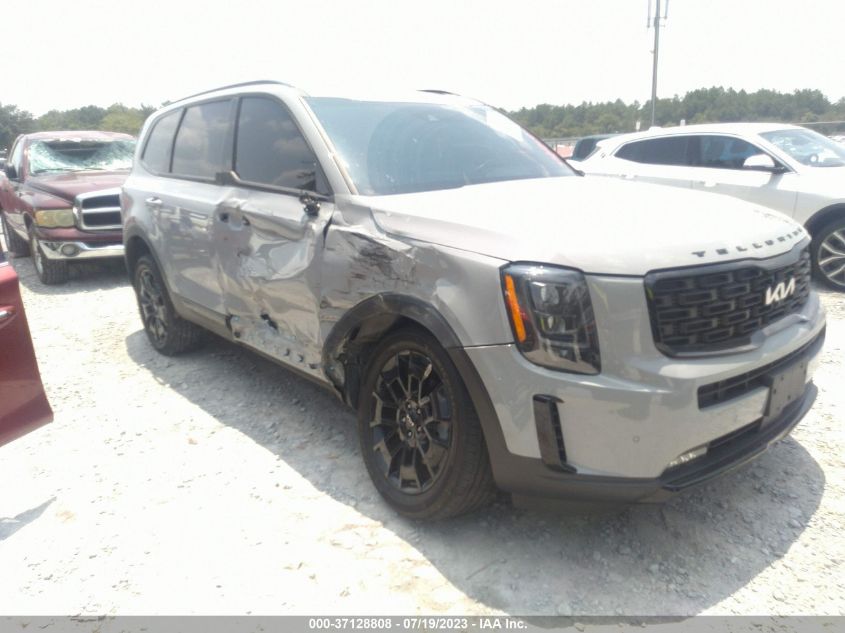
pixel 383 311
pixel 364 324
pixel 823 217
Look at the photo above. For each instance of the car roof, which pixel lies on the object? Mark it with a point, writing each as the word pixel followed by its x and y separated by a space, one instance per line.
pixel 373 93
pixel 88 135
pixel 705 128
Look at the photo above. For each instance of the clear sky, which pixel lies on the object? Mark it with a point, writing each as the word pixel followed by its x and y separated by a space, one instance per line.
pixel 68 53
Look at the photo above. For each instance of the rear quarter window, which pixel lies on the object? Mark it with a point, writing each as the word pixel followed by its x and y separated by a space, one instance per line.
pixel 157 151
pixel 200 142
pixel 658 151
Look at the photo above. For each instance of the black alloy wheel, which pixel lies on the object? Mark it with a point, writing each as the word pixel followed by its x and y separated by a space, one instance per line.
pixel 167 332
pixel 411 429
pixel 153 308
pixel 420 435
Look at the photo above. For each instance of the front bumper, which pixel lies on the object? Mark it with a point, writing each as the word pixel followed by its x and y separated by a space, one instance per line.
pixel 618 433
pixel 80 250
pixel 532 482
pixel 72 244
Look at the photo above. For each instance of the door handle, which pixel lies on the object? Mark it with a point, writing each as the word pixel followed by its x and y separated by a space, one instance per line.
pixel 153 202
pixel 6 313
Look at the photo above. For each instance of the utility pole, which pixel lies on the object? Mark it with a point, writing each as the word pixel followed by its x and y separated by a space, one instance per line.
pixel 656 25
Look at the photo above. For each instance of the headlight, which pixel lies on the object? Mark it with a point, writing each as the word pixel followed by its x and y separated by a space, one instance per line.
pixel 54 218
pixel 552 317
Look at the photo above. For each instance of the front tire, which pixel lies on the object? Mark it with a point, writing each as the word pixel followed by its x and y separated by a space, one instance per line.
pixel 420 436
pixel 829 254
pixel 168 333
pixel 15 242
pixel 51 272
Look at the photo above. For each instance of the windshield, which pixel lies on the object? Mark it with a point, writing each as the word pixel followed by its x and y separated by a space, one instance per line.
pixel 808 147
pixel 395 147
pixel 80 155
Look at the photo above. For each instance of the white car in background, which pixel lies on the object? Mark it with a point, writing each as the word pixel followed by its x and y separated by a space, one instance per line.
pixel 785 167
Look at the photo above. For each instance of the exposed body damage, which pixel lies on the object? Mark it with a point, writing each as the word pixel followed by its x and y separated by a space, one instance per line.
pixel 287 281
pixel 270 258
pixel 394 277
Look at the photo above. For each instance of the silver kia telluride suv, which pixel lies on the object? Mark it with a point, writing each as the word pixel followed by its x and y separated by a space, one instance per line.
pixel 494 319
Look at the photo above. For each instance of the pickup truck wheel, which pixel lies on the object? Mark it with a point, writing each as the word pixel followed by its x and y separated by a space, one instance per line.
pixel 420 435
pixel 168 332
pixel 16 244
pixel 50 271
pixel 829 254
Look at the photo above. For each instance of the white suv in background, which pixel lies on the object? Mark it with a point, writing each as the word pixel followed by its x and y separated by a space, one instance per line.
pixel 785 167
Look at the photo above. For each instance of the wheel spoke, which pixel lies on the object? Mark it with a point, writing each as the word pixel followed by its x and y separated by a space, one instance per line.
pixel 408 468
pixel 828 260
pixel 440 406
pixel 835 273
pixel 383 448
pixel 434 451
pixel 404 377
pixel 826 245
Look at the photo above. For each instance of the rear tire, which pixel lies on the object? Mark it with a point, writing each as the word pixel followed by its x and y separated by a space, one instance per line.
pixel 51 272
pixel 168 333
pixel 15 242
pixel 828 250
pixel 420 436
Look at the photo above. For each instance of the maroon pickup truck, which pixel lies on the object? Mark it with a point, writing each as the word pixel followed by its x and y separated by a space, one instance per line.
pixel 59 199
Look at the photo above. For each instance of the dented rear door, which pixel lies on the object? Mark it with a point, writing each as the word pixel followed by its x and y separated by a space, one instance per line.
pixel 270 243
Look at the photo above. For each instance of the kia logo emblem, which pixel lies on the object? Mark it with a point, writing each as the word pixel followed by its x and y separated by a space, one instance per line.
pixel 780 292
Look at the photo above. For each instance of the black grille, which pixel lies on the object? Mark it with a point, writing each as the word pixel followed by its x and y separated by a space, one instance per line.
pixel 101 202
pixel 101 212
pixel 718 308
pixel 97 220
pixel 735 386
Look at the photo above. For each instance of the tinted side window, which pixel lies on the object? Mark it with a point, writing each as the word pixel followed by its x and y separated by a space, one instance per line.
pixel 270 150
pixel 658 151
pixel 201 140
pixel 157 151
pixel 724 152
pixel 584 148
pixel 16 157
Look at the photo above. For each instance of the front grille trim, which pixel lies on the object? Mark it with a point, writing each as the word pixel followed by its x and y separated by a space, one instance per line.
pixel 733 312
pixel 99 210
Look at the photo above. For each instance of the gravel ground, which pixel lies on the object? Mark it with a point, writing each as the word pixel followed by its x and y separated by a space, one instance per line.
pixel 219 483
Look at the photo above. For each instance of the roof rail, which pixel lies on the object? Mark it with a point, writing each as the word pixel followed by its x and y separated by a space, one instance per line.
pixel 238 85
pixel 439 92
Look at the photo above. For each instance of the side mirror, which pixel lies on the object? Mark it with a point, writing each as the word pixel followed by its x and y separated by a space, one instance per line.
pixel 11 172
pixel 761 162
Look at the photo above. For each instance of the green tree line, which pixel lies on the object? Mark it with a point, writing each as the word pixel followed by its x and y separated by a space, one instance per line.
pixel 115 118
pixel 706 105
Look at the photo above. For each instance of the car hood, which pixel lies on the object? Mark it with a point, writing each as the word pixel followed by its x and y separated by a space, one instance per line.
pixel 597 225
pixel 70 184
